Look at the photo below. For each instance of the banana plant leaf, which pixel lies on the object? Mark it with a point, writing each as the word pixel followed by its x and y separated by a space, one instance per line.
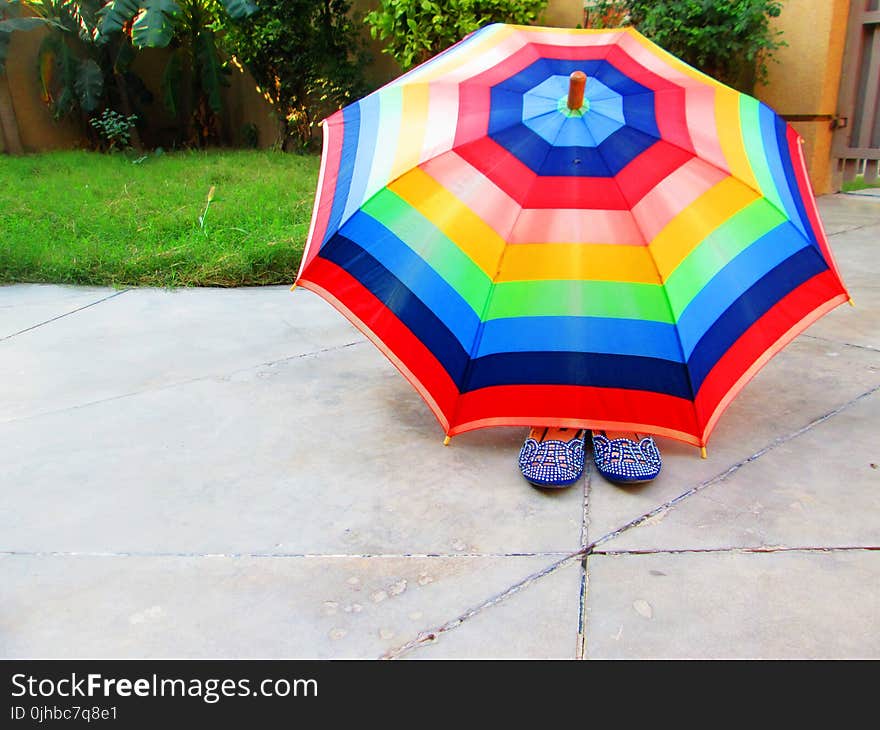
pixel 239 9
pixel 117 14
pixel 171 78
pixel 212 76
pixel 89 85
pixel 153 26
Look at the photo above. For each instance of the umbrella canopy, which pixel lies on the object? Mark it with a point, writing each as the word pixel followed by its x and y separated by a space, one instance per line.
pixel 628 263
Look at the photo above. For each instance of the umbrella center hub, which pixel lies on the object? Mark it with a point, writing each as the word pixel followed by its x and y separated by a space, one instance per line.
pixel 562 106
pixel 545 112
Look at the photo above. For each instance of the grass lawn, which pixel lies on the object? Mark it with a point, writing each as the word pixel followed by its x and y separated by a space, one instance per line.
pixel 87 218
pixel 858 183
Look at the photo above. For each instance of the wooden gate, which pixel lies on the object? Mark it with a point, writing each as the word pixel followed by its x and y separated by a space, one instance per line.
pixel 856 145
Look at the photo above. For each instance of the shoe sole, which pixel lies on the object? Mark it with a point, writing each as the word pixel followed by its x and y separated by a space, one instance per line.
pixel 626 481
pixel 554 485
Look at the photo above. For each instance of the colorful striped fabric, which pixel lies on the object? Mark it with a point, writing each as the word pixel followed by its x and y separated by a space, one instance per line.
pixel 627 265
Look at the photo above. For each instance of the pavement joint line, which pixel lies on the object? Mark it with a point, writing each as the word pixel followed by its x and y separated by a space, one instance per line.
pixel 870 348
pixel 854 228
pixel 262 555
pixel 763 549
pixel 722 476
pixel 431 635
pixel 66 314
pixel 581 644
pixel 180 383
pixel 580 640
pixel 585 515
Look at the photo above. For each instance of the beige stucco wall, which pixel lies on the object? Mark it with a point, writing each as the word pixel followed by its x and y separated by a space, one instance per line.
pixel 806 80
pixel 39 131
pixel 36 127
pixel 563 14
pixel 245 104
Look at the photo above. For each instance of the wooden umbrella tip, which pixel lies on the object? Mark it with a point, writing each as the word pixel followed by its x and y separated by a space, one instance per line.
pixel 576 84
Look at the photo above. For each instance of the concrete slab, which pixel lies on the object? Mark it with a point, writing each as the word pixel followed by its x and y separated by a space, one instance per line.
pixel 150 338
pixel 833 362
pixel 728 605
pixel 540 621
pixel 820 489
pixel 807 380
pixel 333 453
pixel 250 607
pixel 859 325
pixel 27 305
pixel 844 212
pixel 856 254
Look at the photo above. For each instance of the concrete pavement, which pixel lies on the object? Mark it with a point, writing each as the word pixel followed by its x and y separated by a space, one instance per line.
pixel 238 473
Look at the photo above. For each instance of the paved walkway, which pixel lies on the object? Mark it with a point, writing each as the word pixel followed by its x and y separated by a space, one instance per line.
pixel 238 473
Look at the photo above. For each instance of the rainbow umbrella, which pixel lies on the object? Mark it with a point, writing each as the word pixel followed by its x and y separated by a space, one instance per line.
pixel 625 261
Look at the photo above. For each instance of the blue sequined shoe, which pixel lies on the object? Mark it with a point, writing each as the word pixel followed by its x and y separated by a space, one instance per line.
pixel 624 460
pixel 552 457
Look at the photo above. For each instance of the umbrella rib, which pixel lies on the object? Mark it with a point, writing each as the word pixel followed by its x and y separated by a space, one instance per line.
pixel 668 58
pixel 420 163
pixel 728 173
pixel 538 116
pixel 541 95
pixel 605 116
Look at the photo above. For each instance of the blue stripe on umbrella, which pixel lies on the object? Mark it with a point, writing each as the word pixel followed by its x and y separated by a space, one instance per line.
pixel 351 116
pixel 726 286
pixel 749 308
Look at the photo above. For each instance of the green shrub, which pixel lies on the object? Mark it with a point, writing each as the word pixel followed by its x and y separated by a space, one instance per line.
pixel 730 40
pixel 307 57
pixel 416 30
pixel 115 128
